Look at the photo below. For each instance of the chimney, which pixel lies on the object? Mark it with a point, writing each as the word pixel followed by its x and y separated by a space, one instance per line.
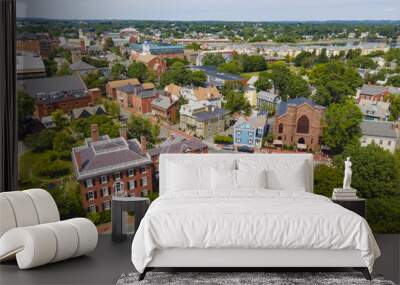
pixel 123 132
pixel 143 143
pixel 94 131
pixel 78 160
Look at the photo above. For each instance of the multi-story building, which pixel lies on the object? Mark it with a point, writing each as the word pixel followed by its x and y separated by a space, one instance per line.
pixel 251 131
pixel 137 97
pixel 205 121
pixel 206 95
pixel 153 62
pixel 298 123
pixel 165 107
pixel 383 134
pixel 374 110
pixel 27 42
pixel 106 167
pixel 64 92
pixel 162 50
pixel 373 92
pixel 111 87
pixel 30 65
pixel 82 68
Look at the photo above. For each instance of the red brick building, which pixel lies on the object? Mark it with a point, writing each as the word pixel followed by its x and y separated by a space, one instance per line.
pixel 137 97
pixel 165 108
pixel 111 87
pixel 64 92
pixel 105 167
pixel 153 62
pixel 298 123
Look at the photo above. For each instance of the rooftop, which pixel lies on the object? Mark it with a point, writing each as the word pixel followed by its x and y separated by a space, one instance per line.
pixel 213 72
pixel 378 129
pixel 374 109
pixel 119 83
pixel 296 102
pixel 209 115
pixel 182 146
pixel 29 62
pixel 163 102
pixel 268 96
pixel 159 48
pixel 88 111
pixel 107 156
pixel 372 89
pixel 53 89
pixel 81 66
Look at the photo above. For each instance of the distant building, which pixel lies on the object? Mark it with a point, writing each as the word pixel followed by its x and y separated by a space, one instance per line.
pixel 298 123
pixel 251 131
pixel 27 42
pixel 30 65
pixel 86 112
pixel 137 97
pixel 373 92
pixel 251 91
pixel 64 92
pixel 165 107
pixel 267 99
pixel 218 79
pixel 176 146
pixel 111 87
pixel 174 90
pixel 105 167
pixel 374 110
pixel 204 122
pixel 383 134
pixel 162 50
pixel 82 68
pixel 153 62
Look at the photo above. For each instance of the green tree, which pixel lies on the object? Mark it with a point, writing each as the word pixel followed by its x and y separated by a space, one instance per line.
pixel 194 46
pixel 51 66
pixel 59 118
pixel 297 87
pixel 112 108
pixel 213 59
pixel 393 81
pixel 341 125
pixel 117 70
pixel 25 109
pixel 64 70
pixel 394 108
pixel 335 82
pixel 141 126
pixel 108 43
pixel 236 102
pixel 95 80
pixel 41 141
pixel 198 78
pixel 138 70
pixel 232 66
pixel 68 200
pixel 252 63
pixel 263 83
pixel 326 178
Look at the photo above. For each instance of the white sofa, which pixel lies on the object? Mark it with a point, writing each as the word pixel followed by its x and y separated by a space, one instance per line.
pixel 31 231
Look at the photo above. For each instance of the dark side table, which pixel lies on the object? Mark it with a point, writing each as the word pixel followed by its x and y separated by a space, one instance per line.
pixel 120 206
pixel 357 205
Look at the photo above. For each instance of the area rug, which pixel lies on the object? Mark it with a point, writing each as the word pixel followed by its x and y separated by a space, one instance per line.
pixel 244 278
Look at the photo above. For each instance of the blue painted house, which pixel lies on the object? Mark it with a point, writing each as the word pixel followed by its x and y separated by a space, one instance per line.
pixel 250 131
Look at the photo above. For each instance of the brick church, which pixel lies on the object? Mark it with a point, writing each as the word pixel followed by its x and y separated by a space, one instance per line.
pixel 298 123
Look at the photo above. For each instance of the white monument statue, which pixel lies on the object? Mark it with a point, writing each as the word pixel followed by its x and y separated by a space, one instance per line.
pixel 347 174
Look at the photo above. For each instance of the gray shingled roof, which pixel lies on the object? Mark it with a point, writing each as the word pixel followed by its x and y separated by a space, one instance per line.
pixel 179 147
pixel 81 66
pixel 55 88
pixel 267 96
pixel 378 129
pixel 296 101
pixel 85 112
pixel 163 102
pixel 139 91
pixel 372 89
pixel 27 62
pixel 108 156
pixel 208 115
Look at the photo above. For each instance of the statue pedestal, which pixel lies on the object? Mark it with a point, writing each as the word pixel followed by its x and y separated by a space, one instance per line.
pixel 343 194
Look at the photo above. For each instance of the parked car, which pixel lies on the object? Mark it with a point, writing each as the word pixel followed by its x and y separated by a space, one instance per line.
pixel 228 147
pixel 245 149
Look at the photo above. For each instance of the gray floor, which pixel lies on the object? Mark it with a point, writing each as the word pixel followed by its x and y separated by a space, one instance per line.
pixel 110 260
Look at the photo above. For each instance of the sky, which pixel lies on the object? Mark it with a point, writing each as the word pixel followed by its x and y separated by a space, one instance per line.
pixel 224 10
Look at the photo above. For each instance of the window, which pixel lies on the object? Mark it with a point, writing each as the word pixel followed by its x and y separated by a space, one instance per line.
pixel 92 209
pixel 89 183
pixel 250 140
pixel 303 125
pixel 143 170
pixel 145 192
pixel 131 172
pixel 103 179
pixel 280 128
pixel 106 205
pixel 144 181
pixel 238 140
pixel 380 142
pixel 119 187
pixel 389 143
pixel 90 195
pixel 238 133
pixel 132 185
pixel 105 191
pixel 117 176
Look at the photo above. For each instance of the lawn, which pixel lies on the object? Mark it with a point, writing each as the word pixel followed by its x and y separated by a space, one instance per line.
pixel 248 75
pixel 28 171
